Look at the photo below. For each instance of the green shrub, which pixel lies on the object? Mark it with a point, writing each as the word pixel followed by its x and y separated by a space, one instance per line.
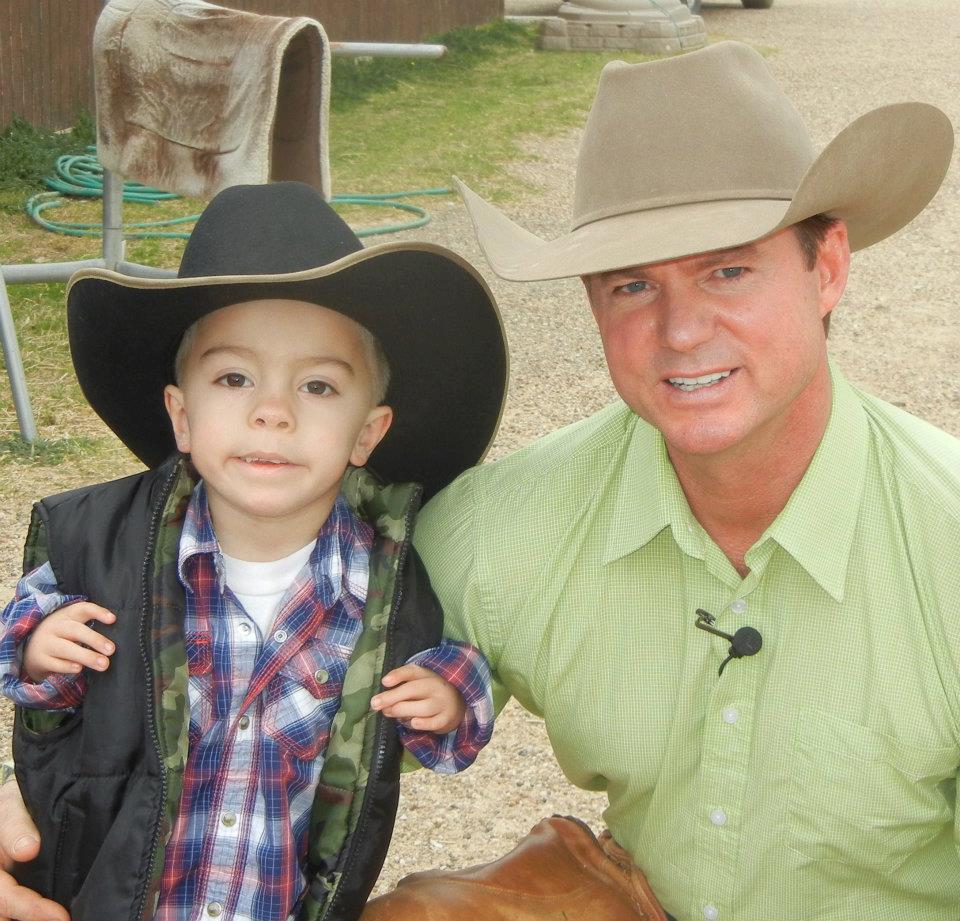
pixel 27 154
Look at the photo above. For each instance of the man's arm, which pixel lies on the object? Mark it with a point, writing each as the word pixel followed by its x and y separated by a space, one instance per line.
pixel 446 538
pixel 19 842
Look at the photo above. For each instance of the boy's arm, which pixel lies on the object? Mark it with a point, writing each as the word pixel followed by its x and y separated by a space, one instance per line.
pixel 36 597
pixel 466 669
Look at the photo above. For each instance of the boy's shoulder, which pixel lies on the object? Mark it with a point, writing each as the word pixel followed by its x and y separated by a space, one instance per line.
pixel 111 513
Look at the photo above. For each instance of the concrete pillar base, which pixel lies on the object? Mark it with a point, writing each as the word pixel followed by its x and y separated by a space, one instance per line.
pixel 660 27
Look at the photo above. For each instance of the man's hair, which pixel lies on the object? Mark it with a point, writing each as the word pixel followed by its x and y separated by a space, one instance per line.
pixel 811 233
pixel 376 358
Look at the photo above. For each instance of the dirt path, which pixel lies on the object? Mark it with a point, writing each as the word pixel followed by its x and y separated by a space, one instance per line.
pixel 896 333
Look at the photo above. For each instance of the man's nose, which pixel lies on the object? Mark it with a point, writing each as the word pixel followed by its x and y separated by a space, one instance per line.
pixel 687 319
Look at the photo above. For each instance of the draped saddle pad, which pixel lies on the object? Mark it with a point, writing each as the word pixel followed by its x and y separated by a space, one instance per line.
pixel 192 97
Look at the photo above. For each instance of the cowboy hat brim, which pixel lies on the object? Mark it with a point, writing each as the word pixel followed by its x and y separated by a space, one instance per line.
pixel 876 175
pixel 442 335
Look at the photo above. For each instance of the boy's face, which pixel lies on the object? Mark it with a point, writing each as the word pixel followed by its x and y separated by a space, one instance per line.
pixel 275 398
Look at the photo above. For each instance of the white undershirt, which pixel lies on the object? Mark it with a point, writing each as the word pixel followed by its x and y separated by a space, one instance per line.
pixel 260 587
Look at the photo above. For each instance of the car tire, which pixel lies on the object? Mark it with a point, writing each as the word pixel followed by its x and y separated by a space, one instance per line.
pixel 757 4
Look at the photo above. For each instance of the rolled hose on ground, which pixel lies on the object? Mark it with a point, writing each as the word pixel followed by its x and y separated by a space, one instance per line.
pixel 81 176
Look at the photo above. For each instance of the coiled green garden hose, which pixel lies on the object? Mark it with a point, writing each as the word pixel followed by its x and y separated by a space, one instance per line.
pixel 81 176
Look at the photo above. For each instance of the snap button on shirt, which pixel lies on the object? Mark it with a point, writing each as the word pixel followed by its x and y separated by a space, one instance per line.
pixel 730 715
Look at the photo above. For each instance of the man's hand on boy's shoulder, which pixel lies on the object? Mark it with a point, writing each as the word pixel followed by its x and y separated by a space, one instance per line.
pixel 20 842
pixel 420 699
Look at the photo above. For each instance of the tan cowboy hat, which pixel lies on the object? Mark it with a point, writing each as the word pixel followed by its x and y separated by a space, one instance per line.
pixel 702 152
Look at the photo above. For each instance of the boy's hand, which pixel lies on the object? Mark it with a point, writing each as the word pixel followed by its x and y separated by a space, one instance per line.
pixel 420 699
pixel 62 643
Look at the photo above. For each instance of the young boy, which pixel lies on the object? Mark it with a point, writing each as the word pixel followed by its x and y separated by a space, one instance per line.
pixel 195 649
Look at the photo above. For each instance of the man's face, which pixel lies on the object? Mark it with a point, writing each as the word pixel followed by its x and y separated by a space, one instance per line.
pixel 724 352
pixel 275 399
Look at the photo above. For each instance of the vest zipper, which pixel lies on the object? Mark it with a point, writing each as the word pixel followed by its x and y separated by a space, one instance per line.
pixel 146 605
pixel 380 740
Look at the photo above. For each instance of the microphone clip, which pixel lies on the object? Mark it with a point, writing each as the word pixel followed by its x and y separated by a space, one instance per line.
pixel 745 642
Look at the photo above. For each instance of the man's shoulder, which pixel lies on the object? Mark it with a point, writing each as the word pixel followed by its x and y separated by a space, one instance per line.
pixel 551 480
pixel 915 452
pixel 559 464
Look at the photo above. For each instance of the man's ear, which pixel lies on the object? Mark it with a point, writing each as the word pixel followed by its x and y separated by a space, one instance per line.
pixel 833 266
pixel 374 428
pixel 177 411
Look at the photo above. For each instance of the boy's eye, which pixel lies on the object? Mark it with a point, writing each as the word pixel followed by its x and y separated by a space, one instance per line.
pixel 320 388
pixel 234 379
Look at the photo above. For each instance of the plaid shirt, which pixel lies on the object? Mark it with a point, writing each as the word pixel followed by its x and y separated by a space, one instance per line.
pixel 260 714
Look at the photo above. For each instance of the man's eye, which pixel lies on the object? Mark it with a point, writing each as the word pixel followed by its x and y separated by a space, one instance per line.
pixel 733 271
pixel 234 379
pixel 320 388
pixel 633 287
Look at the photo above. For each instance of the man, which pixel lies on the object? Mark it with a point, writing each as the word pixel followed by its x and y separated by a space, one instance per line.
pixel 734 598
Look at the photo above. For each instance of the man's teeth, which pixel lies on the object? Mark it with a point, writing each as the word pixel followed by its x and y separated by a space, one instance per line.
pixel 695 383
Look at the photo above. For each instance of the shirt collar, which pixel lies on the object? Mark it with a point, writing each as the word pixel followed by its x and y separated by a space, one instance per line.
pixel 650 498
pixel 832 486
pixel 339 560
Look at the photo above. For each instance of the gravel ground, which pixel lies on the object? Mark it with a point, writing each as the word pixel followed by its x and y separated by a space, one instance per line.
pixel 897 333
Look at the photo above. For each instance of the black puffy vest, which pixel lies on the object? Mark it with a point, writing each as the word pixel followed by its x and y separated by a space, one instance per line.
pixel 93 780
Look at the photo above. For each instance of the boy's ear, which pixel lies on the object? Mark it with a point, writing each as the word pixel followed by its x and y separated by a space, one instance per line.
pixel 378 422
pixel 177 411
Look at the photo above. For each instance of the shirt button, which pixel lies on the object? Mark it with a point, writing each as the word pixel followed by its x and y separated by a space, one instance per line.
pixel 718 817
pixel 245 628
pixel 739 606
pixel 280 636
pixel 229 819
pixel 321 675
pixel 244 722
pixel 215 909
pixel 730 715
pixel 711 912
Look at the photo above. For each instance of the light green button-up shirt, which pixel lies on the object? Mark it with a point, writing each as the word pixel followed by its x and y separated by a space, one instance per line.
pixel 814 781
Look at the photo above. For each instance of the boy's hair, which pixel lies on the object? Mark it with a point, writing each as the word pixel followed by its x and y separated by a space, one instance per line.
pixel 376 358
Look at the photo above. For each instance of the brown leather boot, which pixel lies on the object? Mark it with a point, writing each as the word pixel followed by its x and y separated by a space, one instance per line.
pixel 559 872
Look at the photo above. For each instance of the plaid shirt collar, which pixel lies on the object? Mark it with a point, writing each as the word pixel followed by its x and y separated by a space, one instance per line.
pixel 333 559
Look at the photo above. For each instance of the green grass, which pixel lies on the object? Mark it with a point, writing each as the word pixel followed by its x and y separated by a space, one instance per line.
pixel 394 125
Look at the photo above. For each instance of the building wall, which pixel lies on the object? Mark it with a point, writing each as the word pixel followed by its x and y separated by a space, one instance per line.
pixel 45 45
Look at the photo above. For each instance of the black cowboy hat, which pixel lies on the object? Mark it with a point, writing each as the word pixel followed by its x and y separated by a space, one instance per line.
pixel 431 311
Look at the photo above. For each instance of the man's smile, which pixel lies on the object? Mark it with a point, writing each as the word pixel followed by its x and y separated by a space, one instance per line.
pixel 688 384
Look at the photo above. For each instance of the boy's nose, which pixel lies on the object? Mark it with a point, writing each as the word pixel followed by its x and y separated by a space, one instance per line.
pixel 272 414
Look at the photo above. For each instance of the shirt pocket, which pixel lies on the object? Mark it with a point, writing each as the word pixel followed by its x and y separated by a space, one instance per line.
pixel 304 696
pixel 864 798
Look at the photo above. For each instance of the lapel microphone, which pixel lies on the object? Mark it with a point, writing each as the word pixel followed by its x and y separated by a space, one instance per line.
pixel 745 642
